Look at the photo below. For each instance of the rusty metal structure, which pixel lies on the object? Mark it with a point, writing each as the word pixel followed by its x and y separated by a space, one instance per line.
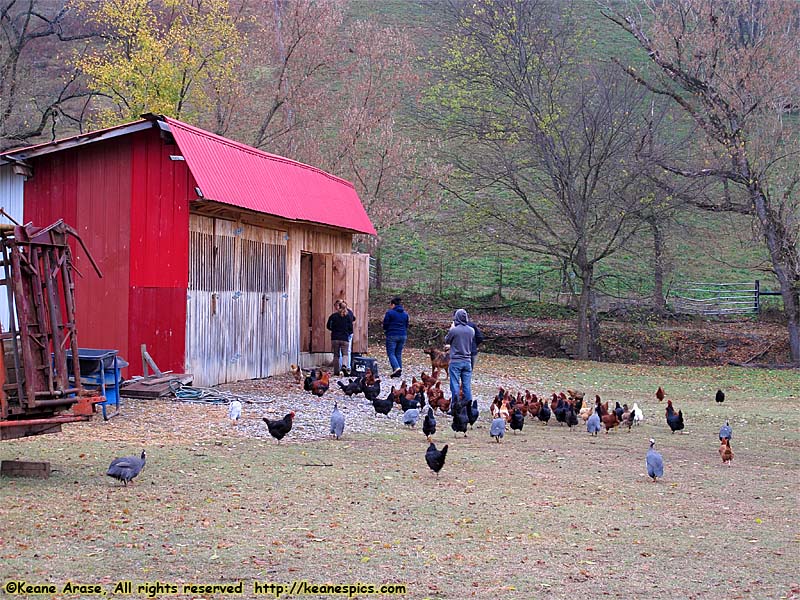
pixel 37 394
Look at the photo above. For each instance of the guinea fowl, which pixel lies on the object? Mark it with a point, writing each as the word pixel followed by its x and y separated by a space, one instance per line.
pixel 498 428
pixel 593 423
pixel 126 468
pixel 725 432
pixel 429 424
pixel 337 421
pixel 675 421
pixel 654 461
pixel 435 458
pixel 280 427
pixel 720 397
pixel 411 416
pixel 517 420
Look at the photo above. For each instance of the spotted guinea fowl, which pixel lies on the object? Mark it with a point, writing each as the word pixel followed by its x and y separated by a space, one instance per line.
pixel 126 468
pixel 725 432
pixel 498 428
pixel 235 411
pixel 337 421
pixel 654 461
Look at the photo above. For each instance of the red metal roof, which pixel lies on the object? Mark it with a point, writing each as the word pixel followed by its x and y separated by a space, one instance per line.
pixel 239 175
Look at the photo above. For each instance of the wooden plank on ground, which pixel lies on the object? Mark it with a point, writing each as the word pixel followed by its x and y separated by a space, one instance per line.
pixel 147 388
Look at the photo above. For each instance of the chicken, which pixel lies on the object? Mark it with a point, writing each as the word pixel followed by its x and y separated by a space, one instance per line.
pixel 720 397
pixel 627 417
pixel 725 432
pixel 473 412
pixel 517 420
pixel 460 418
pixel 370 385
pixel 572 418
pixel 235 411
pixel 498 428
pixel 311 378
pixel 297 372
pixel 126 468
pixel 593 424
pixel 409 402
pixel 726 452
pixel 429 424
pixel 439 358
pixel 337 422
pixel 654 462
pixel 321 385
pixel 618 410
pixel 560 411
pixel 383 406
pixel 410 417
pixel 429 380
pixel 638 415
pixel 435 458
pixel 436 398
pixel 544 413
pixel 660 393
pixel 280 427
pixel 353 387
pixel 610 421
pixel 675 421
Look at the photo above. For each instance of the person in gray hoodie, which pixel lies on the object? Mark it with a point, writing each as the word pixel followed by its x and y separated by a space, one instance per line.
pixel 460 338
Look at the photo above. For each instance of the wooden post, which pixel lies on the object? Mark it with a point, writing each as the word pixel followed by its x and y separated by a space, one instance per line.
pixel 758 297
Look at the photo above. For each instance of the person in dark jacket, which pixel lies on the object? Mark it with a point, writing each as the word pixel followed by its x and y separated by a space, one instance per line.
pixel 350 340
pixel 461 337
pixel 341 327
pixel 395 326
pixel 476 341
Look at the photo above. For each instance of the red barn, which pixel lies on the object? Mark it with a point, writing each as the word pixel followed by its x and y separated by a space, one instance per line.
pixel 223 259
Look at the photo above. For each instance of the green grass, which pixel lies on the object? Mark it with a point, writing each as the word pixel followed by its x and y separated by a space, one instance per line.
pixel 547 513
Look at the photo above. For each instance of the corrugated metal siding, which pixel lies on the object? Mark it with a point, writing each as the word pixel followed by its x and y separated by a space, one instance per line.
pixel 239 175
pixel 11 200
pixel 236 326
pixel 90 189
pixel 159 257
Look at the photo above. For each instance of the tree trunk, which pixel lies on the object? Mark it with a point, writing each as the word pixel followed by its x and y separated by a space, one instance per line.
pixel 659 302
pixel 784 263
pixel 584 313
pixel 378 268
pixel 594 327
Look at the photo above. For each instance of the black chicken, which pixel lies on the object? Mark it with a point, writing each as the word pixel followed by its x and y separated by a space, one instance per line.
pixel 383 406
pixel 675 421
pixel 429 424
pixel 572 418
pixel 126 468
pixel 354 387
pixel 407 404
pixel 460 418
pixel 561 411
pixel 435 458
pixel 473 413
pixel 619 411
pixel 544 413
pixel 310 379
pixel 280 427
pixel 517 420
pixel 720 397
pixel 370 386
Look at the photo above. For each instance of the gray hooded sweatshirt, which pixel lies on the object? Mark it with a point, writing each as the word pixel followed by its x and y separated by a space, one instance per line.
pixel 460 336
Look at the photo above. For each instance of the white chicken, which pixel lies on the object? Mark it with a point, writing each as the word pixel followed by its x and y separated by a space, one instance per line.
pixel 638 415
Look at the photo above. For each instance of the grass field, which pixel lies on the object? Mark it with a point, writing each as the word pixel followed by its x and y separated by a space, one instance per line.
pixel 546 514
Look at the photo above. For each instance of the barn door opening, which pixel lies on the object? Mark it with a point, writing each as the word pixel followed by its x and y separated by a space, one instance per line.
pixel 324 278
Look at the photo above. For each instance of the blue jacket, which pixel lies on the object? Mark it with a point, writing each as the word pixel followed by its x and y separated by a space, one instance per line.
pixel 395 322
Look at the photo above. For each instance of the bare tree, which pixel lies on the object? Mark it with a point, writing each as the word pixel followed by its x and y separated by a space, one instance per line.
pixel 36 90
pixel 550 140
pixel 734 68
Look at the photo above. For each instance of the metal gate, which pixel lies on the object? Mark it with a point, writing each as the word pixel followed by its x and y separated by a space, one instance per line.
pixel 236 321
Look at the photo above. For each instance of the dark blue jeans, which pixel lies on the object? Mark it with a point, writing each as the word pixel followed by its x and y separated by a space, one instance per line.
pixel 394 350
pixel 460 372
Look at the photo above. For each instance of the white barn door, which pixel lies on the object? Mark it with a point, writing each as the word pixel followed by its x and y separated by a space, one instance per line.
pixel 236 305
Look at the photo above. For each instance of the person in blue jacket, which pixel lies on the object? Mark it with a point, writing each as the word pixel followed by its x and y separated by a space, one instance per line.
pixel 395 326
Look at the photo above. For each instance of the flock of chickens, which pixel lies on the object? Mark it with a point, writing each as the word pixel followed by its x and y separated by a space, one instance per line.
pixel 507 410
